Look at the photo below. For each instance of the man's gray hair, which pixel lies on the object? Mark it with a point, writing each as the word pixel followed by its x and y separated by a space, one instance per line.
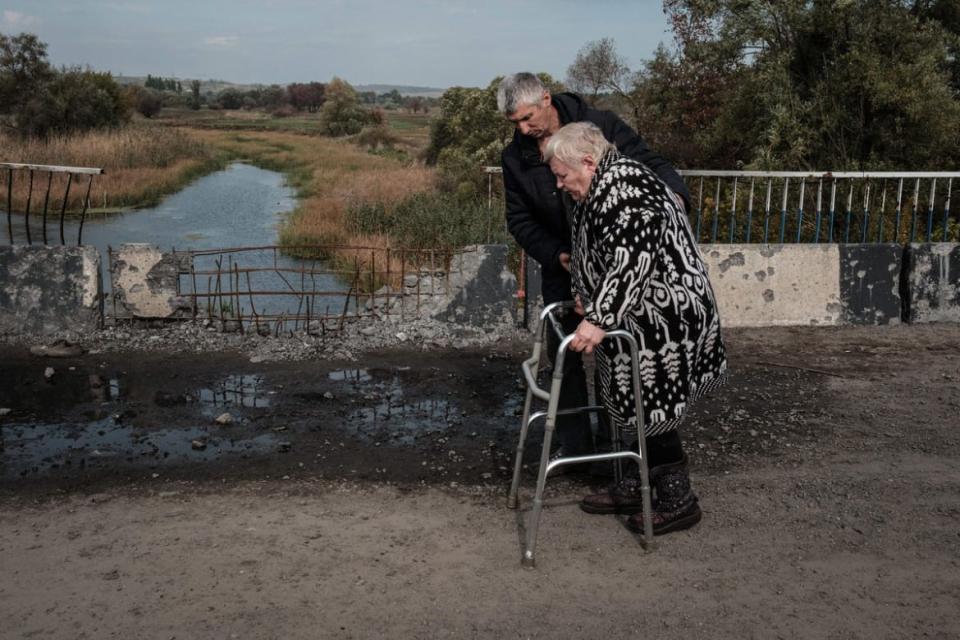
pixel 573 142
pixel 517 90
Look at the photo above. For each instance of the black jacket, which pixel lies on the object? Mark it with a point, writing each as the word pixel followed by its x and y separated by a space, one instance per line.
pixel 536 209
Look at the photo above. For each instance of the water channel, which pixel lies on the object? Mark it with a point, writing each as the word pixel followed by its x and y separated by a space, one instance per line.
pixel 241 206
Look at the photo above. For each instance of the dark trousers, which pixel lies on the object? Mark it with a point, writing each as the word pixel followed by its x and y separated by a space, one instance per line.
pixel 573 433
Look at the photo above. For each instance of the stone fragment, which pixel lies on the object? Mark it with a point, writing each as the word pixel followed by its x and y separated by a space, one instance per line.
pixel 57 349
pixel 224 419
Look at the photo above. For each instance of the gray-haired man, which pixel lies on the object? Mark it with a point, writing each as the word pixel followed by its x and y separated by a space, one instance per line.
pixel 537 215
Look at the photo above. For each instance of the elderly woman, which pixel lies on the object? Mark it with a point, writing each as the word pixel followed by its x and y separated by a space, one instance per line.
pixel 636 266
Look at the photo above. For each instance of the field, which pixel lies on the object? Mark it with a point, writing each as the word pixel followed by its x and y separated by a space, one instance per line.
pixel 413 129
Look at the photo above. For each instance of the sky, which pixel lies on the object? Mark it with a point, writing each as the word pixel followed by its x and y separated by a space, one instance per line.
pixel 435 43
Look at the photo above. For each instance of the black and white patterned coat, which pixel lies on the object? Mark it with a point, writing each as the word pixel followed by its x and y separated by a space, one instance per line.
pixel 636 266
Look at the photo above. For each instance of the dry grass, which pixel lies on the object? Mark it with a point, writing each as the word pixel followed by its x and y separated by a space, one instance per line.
pixel 141 164
pixel 144 162
pixel 387 186
pixel 331 176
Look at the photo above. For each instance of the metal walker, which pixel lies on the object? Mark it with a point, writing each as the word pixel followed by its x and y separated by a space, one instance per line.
pixel 549 321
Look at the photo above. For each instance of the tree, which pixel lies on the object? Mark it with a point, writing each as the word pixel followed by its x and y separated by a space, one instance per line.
pixel 74 100
pixel 195 100
pixel 230 99
pixel 23 70
pixel 273 97
pixel 342 112
pixel 147 102
pixel 413 104
pixel 309 96
pixel 808 84
pixel 598 67
pixel 469 133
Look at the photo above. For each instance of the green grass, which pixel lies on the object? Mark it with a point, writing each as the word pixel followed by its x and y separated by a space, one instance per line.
pixel 431 221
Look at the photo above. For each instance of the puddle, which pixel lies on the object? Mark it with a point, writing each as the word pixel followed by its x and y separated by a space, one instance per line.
pixel 236 391
pixel 388 416
pixel 350 375
pixel 40 449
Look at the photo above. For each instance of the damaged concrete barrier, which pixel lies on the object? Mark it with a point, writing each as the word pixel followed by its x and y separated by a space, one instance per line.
pixel 870 277
pixel 45 289
pixel 782 285
pixel 774 285
pixel 933 282
pixel 145 282
pixel 482 290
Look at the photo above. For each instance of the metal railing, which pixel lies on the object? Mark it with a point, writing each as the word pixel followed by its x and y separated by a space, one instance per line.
pixel 266 289
pixel 24 196
pixel 794 206
pixel 816 206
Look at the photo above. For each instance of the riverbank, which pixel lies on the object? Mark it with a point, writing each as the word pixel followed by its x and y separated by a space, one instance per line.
pixel 143 163
pixel 827 470
pixel 351 192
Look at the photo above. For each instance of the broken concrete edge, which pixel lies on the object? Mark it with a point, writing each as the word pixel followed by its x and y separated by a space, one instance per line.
pixel 46 289
pixel 483 291
pixel 145 282
pixel 824 284
pixel 931 284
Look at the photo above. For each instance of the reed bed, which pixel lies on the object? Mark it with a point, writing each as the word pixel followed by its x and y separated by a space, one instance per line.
pixel 333 178
pixel 141 163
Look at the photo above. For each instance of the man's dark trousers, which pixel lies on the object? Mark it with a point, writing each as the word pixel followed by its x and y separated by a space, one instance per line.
pixel 573 431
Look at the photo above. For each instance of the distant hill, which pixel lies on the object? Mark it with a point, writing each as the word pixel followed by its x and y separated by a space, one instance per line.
pixel 206 86
pixel 216 86
pixel 423 92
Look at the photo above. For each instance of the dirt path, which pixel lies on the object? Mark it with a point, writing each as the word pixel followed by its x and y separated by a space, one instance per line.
pixel 828 471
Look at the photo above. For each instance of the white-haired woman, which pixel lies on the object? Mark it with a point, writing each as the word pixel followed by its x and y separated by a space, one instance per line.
pixel 636 266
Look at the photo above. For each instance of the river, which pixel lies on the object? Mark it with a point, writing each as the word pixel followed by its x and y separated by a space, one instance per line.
pixel 237 207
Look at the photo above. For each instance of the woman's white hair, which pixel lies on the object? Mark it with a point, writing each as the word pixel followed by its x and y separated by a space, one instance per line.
pixel 517 90
pixel 573 142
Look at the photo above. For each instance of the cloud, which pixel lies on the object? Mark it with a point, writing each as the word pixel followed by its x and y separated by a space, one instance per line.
pixel 220 41
pixel 18 19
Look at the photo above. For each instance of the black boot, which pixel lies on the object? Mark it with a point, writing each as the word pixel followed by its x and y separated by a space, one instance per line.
pixel 676 507
pixel 625 497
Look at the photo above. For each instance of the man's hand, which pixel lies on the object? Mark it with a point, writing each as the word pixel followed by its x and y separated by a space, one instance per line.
pixel 587 337
pixel 565 261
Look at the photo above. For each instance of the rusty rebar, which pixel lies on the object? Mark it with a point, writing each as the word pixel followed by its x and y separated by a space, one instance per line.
pixel 26 213
pixel 46 202
pixel 63 207
pixel 236 292
pixel 219 290
pixel 253 307
pixel 83 214
pixel 403 281
pixel 193 279
pixel 10 204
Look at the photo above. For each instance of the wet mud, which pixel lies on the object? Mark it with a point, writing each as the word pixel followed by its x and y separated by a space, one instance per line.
pixel 203 495
pixel 401 417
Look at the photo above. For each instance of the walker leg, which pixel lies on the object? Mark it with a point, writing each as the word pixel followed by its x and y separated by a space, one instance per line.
pixel 512 498
pixel 648 542
pixel 529 558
